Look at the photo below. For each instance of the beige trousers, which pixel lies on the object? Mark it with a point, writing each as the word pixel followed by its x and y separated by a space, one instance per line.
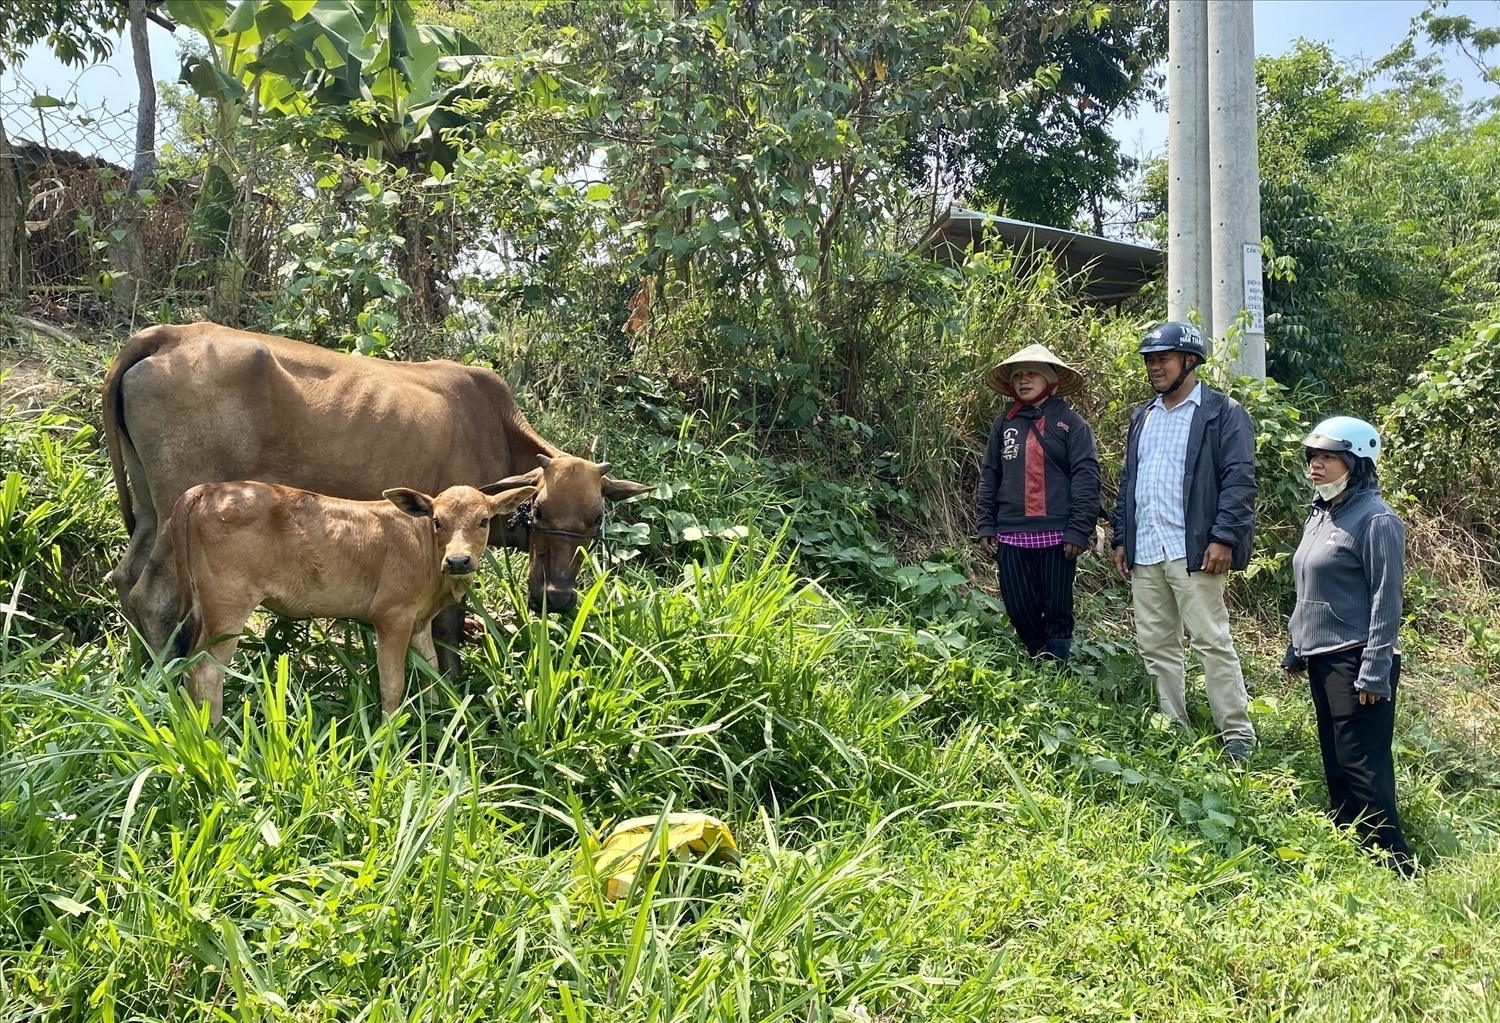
pixel 1168 597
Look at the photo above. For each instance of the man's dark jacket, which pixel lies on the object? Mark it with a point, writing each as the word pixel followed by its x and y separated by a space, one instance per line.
pixel 1060 493
pixel 1218 482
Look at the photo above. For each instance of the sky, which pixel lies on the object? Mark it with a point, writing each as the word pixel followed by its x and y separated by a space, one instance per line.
pixel 1361 30
pixel 1355 29
pixel 106 93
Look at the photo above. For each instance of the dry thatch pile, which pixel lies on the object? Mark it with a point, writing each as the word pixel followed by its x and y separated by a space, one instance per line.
pixel 74 205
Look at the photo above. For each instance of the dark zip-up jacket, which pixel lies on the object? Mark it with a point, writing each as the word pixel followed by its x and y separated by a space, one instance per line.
pixel 1040 474
pixel 1218 482
pixel 1349 569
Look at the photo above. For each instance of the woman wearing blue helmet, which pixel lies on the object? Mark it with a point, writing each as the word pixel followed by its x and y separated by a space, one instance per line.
pixel 1348 571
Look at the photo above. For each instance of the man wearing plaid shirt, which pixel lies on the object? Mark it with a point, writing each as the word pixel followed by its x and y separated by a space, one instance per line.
pixel 1183 518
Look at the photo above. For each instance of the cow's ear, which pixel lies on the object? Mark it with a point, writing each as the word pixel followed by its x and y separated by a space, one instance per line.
pixel 510 500
pixel 413 502
pixel 617 490
pixel 526 479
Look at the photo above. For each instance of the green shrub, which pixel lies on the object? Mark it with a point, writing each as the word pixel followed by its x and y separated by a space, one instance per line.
pixel 1282 498
pixel 1444 430
pixel 58 525
pixel 340 286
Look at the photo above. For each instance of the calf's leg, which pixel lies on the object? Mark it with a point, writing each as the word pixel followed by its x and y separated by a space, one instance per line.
pixel 392 637
pixel 421 642
pixel 206 679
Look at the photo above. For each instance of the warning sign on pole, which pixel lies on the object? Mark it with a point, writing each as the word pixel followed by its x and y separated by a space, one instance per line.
pixel 1254 299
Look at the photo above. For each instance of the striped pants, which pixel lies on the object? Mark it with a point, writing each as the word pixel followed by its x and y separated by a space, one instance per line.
pixel 1036 584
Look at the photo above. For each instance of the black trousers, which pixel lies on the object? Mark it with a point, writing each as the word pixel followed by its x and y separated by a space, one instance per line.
pixel 1356 743
pixel 1036 584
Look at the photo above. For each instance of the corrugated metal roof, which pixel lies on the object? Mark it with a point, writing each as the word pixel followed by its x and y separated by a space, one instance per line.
pixel 1111 270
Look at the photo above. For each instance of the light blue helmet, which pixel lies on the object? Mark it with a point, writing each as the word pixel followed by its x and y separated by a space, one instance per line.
pixel 1345 435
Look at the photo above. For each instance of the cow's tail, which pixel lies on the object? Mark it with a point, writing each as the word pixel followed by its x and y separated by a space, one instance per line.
pixel 189 600
pixel 141 346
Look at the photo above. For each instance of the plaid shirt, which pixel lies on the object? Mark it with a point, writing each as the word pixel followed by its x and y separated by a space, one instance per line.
pixel 1161 520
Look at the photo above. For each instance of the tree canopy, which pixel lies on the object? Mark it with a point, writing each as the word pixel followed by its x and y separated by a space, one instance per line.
pixel 1051 157
pixel 1382 227
pixel 76 31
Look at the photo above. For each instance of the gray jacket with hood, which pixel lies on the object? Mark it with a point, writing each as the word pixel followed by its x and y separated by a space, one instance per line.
pixel 1349 569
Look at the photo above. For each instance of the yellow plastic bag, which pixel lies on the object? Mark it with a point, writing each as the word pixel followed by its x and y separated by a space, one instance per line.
pixel 628 846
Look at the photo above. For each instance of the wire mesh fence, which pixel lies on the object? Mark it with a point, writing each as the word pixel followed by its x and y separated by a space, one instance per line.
pixel 84 229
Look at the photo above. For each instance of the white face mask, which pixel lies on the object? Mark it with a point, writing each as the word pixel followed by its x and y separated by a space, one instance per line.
pixel 1328 491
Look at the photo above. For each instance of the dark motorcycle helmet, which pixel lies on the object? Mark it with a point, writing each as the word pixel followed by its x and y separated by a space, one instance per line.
pixel 1174 336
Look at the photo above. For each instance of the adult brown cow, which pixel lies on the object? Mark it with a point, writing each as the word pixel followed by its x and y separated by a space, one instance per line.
pixel 203 403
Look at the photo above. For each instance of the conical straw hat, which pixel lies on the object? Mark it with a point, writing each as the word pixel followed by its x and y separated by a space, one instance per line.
pixel 1068 379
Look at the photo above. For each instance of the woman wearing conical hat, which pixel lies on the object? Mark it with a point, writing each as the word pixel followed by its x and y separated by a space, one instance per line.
pixel 1038 497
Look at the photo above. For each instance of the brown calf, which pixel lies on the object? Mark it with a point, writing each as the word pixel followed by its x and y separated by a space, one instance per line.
pixel 393 563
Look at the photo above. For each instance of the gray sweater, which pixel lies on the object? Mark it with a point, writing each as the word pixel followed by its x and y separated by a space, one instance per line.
pixel 1348 570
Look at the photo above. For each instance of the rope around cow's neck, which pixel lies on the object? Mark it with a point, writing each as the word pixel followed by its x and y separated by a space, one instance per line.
pixel 522 519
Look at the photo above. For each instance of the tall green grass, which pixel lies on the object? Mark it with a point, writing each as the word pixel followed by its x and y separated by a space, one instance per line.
pixel 934 828
pixel 929 835
pixel 58 520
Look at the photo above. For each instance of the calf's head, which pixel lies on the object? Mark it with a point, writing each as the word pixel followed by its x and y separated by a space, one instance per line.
pixel 565 515
pixel 460 519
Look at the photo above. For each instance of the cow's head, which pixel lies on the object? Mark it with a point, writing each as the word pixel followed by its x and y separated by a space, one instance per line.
pixel 460 519
pixel 566 513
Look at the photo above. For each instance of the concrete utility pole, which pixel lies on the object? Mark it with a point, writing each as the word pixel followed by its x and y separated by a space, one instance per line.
pixel 1234 180
pixel 1213 214
pixel 1189 270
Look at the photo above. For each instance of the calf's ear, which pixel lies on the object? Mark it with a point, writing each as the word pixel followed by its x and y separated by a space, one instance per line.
pixel 413 502
pixel 526 479
pixel 510 500
pixel 616 490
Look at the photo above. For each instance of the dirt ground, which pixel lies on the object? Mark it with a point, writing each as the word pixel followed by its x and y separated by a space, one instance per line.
pixel 43 371
pixel 29 382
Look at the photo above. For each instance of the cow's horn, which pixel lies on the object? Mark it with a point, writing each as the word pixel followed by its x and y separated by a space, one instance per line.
pixel 531 478
pixel 546 460
pixel 603 468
